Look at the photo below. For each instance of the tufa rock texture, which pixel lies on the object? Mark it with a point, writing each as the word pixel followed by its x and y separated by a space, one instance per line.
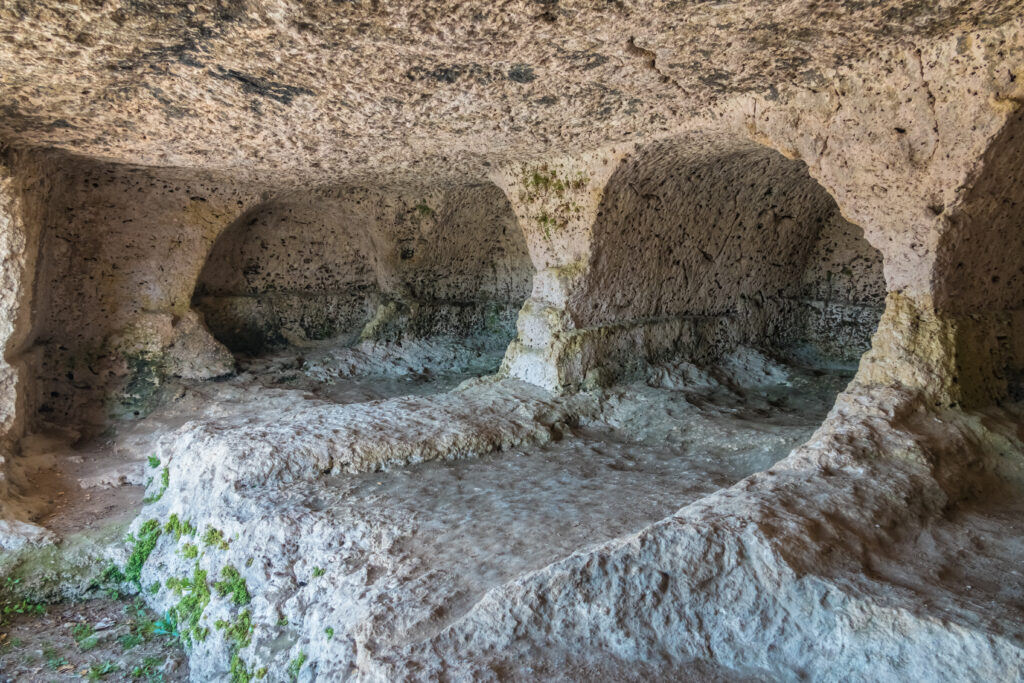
pixel 263 249
pixel 311 268
pixel 319 92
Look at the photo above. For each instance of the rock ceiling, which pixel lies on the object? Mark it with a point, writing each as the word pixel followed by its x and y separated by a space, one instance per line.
pixel 320 91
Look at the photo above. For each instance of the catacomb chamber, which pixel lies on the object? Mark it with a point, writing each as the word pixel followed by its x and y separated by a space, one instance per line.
pixel 531 341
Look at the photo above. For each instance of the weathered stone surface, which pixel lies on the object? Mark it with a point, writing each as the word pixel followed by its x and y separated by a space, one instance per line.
pixel 842 293
pixel 806 569
pixel 319 92
pixel 316 267
pixel 120 251
pixel 23 181
pixel 114 325
pixel 732 238
pixel 367 189
pixel 406 564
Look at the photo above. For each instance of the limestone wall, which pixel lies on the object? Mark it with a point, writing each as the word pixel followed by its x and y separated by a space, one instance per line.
pixel 981 253
pixel 694 244
pixel 125 253
pixel 921 148
pixel 119 255
pixel 963 343
pixel 26 190
pixel 678 235
pixel 288 267
pixel 734 231
pixel 842 295
pixel 319 265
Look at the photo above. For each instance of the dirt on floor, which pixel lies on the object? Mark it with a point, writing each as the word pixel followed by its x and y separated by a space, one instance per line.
pixel 86 495
pixel 102 639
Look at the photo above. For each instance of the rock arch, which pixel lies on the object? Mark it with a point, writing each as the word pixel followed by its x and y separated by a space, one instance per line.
pixel 372 264
pixel 978 279
pixel 737 234
pixel 287 267
pixel 119 254
pixel 686 246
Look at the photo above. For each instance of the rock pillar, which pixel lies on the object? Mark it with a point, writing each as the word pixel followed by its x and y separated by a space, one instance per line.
pixel 923 149
pixel 24 191
pixel 556 203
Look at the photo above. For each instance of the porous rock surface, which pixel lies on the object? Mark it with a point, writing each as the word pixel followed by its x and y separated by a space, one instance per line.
pixel 643 205
pixel 421 547
pixel 439 263
pixel 833 560
pixel 788 574
pixel 322 92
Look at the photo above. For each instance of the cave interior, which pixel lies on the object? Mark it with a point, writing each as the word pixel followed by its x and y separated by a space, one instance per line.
pixel 566 357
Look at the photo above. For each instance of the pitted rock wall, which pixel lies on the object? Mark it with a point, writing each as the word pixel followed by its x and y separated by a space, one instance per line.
pixel 981 253
pixel 294 268
pixel 306 267
pixel 26 193
pixel 686 247
pixel 739 232
pixel 122 250
pixel 684 236
pixel 906 156
pixel 842 294
pixel 119 256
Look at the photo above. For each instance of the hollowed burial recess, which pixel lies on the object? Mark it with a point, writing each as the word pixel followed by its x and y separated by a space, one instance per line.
pixel 367 265
pixel 740 239
pixel 980 268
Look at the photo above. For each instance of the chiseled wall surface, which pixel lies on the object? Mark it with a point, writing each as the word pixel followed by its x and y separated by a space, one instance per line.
pixel 119 256
pixel 982 251
pixel 26 193
pixel 295 267
pixel 723 234
pixel 122 250
pixel 319 265
pixel 126 254
pixel 842 293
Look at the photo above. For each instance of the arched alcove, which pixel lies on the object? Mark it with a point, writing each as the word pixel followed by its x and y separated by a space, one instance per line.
pixel 739 239
pixel 292 267
pixel 366 265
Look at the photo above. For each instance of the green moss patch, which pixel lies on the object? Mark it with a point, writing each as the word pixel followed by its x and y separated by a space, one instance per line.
pixel 195 597
pixel 214 538
pixel 233 585
pixel 165 481
pixel 149 534
pixel 178 527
